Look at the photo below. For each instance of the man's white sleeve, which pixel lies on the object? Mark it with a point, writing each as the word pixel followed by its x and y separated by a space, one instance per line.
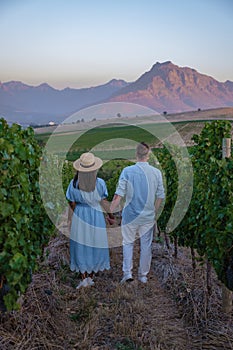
pixel 122 184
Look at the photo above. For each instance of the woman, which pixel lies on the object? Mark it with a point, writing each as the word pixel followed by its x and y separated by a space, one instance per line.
pixel 86 193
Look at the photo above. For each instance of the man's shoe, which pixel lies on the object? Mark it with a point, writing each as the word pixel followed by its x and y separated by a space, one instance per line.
pixel 142 279
pixel 127 278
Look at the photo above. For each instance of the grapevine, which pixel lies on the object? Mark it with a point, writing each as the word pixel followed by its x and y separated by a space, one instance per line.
pixel 207 225
pixel 25 227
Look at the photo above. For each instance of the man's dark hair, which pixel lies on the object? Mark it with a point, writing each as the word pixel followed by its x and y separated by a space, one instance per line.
pixel 142 150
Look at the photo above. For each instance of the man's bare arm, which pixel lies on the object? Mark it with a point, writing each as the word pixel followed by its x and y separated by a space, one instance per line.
pixel 158 202
pixel 115 203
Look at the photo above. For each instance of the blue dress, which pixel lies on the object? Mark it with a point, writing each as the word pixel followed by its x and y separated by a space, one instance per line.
pixel 88 236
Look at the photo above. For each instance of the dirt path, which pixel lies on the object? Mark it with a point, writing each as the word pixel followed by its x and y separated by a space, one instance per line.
pixel 109 316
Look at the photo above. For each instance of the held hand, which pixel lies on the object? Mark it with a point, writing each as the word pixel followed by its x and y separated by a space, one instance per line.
pixel 110 220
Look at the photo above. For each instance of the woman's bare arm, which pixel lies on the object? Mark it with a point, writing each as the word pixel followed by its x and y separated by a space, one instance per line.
pixel 70 212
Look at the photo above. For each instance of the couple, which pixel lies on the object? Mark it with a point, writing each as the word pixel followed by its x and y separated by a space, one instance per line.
pixel 142 188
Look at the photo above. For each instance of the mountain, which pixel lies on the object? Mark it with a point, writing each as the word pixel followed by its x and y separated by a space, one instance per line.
pixel 166 87
pixel 27 104
pixel 229 84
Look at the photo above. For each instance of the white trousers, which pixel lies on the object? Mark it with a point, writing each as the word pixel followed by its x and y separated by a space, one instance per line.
pixel 146 236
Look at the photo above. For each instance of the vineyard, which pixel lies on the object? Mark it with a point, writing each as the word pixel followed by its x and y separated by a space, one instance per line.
pixel 199 189
pixel 25 226
pixel 208 223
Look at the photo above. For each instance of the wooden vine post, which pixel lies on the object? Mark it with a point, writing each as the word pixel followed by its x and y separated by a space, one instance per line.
pixel 226 148
pixel 226 293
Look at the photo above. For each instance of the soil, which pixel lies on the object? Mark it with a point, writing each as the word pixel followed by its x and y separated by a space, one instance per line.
pixel 172 311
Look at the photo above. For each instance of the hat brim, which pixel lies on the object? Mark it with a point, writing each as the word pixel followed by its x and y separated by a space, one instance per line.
pixel 97 164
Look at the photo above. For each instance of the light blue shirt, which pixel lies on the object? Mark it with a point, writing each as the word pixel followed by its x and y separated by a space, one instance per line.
pixel 141 184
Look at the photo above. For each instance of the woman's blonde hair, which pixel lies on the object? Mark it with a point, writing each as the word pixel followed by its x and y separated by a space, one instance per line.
pixel 87 181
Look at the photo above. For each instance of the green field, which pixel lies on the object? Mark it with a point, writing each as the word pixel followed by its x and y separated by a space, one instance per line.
pixel 112 141
pixel 114 138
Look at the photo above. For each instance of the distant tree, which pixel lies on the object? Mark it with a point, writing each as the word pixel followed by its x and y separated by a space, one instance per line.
pixel 165 113
pixel 199 109
pixel 118 115
pixel 94 119
pixel 82 120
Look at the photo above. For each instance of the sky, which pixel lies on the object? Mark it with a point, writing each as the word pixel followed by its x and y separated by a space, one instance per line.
pixel 77 43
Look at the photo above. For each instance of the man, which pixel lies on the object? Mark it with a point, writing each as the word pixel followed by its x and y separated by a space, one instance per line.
pixel 142 187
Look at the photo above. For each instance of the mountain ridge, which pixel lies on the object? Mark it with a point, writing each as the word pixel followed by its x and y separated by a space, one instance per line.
pixel 174 89
pixel 25 104
pixel 165 87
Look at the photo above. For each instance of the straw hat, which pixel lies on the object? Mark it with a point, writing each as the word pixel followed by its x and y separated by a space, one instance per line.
pixel 87 162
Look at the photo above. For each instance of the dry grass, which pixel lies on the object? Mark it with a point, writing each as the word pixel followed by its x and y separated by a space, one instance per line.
pixel 170 312
pixel 201 311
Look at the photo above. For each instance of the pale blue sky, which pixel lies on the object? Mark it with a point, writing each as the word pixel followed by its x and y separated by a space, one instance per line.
pixel 79 43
